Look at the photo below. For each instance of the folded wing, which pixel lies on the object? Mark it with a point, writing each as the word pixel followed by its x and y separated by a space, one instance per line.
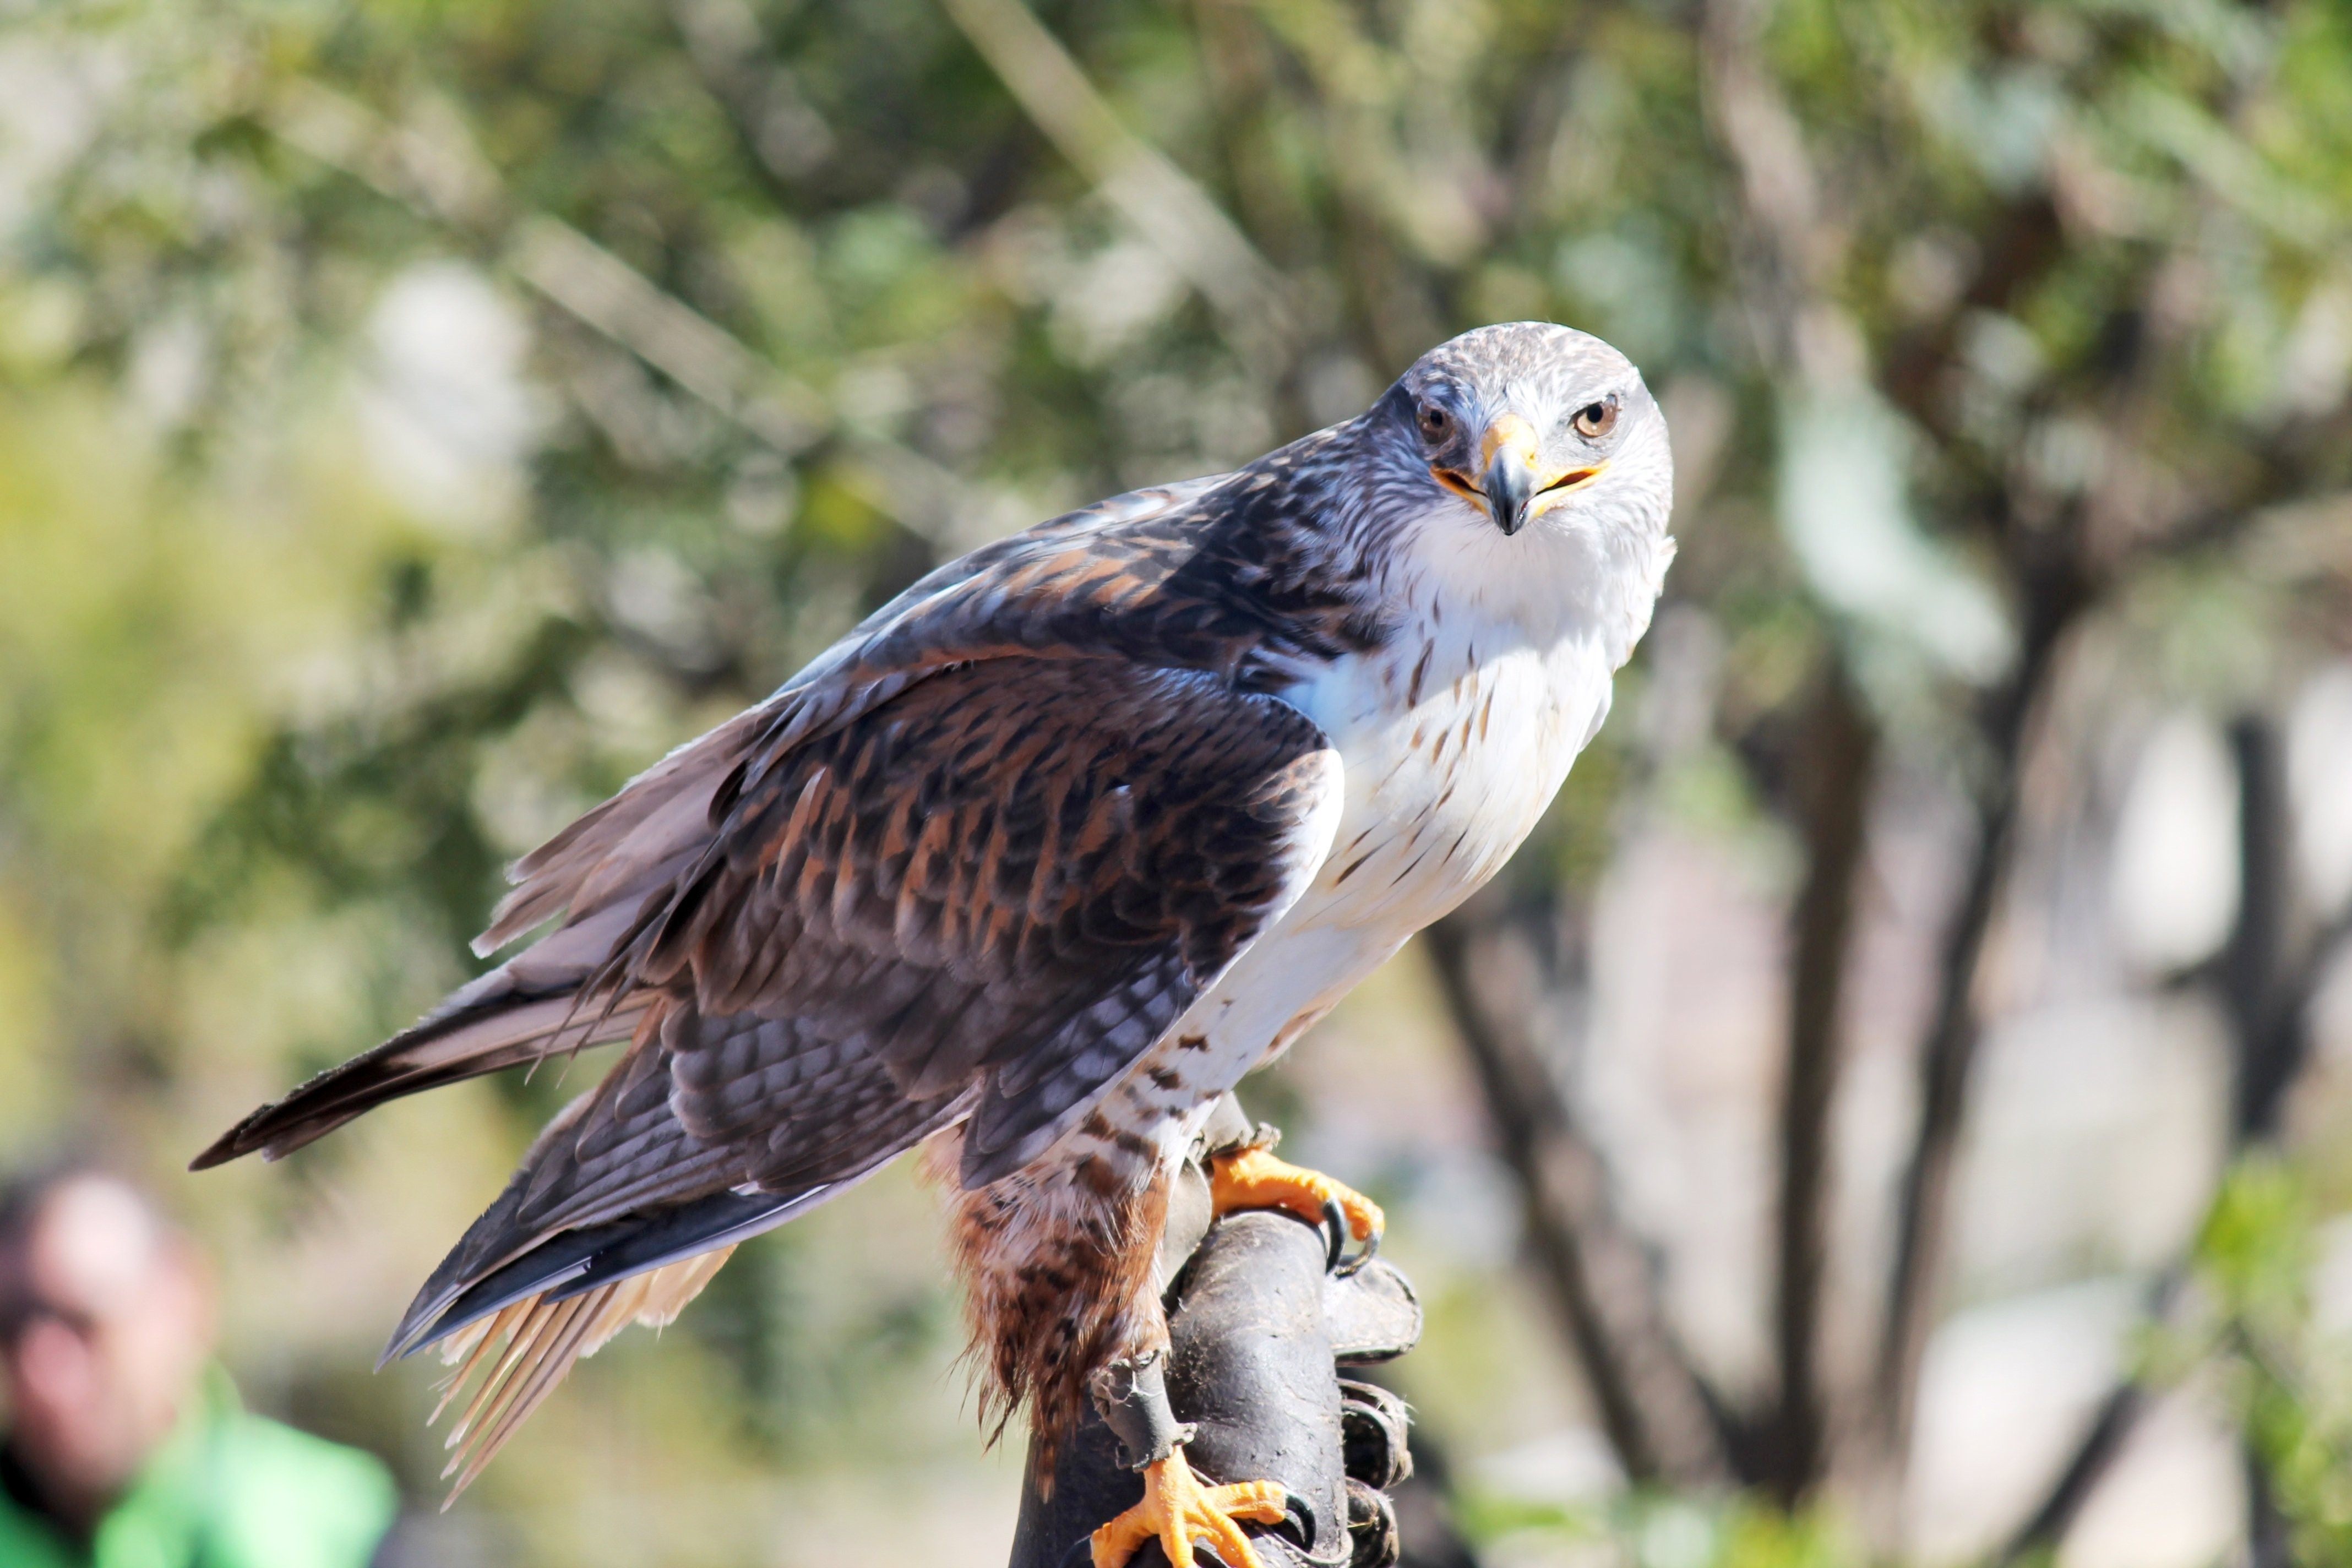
pixel 981 895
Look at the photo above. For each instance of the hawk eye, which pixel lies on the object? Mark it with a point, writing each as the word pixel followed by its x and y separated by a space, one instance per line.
pixel 1595 420
pixel 1435 422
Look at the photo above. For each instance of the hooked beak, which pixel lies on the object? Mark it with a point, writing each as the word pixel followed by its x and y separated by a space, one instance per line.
pixel 1510 452
pixel 1514 481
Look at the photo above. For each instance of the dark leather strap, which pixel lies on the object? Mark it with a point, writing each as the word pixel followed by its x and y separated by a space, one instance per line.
pixel 1131 1393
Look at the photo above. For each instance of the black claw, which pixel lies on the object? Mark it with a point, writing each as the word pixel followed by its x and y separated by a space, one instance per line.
pixel 1297 1520
pixel 1338 1261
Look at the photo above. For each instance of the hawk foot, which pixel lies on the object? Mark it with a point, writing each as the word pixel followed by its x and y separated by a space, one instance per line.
pixel 1177 1510
pixel 1252 1178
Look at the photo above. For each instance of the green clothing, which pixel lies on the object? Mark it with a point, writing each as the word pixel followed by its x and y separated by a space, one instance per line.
pixel 227 1489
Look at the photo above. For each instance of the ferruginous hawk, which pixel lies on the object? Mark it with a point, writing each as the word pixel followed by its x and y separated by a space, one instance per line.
pixel 1037 863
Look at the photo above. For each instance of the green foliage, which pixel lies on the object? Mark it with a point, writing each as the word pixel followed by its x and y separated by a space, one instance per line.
pixel 2255 1248
pixel 2290 1381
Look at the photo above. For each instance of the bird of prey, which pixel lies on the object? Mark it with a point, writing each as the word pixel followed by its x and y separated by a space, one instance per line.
pixel 1035 864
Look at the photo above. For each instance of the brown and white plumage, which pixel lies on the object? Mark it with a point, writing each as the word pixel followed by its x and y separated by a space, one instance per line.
pixel 1040 859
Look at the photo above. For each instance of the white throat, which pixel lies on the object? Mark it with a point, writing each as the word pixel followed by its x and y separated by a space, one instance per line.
pixel 1571 577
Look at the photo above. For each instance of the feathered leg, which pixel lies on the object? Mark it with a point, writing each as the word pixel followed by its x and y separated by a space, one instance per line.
pixel 1061 1261
pixel 1061 1267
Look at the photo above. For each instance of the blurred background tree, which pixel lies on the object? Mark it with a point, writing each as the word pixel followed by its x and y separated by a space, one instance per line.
pixel 415 417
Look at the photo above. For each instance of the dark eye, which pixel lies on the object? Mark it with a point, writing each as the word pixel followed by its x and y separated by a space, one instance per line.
pixel 1435 422
pixel 1595 420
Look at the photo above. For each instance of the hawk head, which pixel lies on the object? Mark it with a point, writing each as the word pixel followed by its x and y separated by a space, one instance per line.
pixel 1528 426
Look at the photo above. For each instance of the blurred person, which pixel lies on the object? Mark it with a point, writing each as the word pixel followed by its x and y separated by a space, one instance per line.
pixel 125 1445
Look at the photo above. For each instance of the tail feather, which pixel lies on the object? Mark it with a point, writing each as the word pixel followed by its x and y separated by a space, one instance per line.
pixel 418 1060
pixel 512 1332
pixel 524 1011
pixel 576 1261
pixel 601 874
pixel 531 1344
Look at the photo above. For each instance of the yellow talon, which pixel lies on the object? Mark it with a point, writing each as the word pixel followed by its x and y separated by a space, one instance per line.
pixel 1253 1178
pixel 1177 1510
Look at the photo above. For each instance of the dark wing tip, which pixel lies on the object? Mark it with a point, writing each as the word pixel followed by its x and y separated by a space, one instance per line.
pixel 238 1142
pixel 277 1130
pixel 571 1263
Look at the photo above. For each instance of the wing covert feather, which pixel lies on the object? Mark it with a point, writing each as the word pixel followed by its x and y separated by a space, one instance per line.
pixel 631 845
pixel 1020 872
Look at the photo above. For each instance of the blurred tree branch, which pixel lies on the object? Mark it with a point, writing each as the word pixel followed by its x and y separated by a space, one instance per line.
pixel 1841 743
pixel 1155 197
pixel 2265 980
pixel 2057 596
pixel 433 170
pixel 782 131
pixel 2061 558
pixel 1664 1423
pixel 1787 248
